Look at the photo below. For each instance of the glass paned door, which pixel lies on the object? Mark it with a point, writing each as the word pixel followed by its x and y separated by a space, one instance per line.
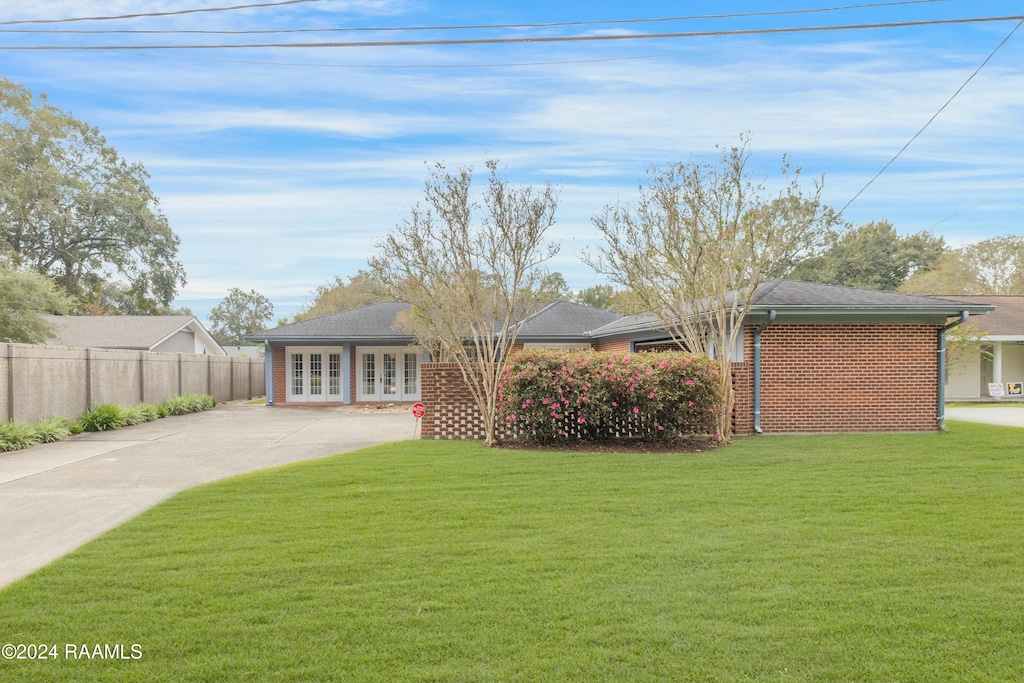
pixel 388 374
pixel 411 375
pixel 334 375
pixel 307 375
pixel 316 376
pixel 368 376
pixel 389 388
pixel 297 376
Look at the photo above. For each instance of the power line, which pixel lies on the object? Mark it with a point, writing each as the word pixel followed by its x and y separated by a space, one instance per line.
pixel 935 115
pixel 156 14
pixel 965 210
pixel 541 39
pixel 467 66
pixel 551 24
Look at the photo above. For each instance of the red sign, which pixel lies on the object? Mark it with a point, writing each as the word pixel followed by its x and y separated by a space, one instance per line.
pixel 418 410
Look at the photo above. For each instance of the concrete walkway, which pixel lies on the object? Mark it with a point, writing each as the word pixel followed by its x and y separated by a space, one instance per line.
pixel 1009 416
pixel 56 497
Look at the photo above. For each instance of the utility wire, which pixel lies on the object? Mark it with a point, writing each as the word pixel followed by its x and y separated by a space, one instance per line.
pixel 470 66
pixel 541 39
pixel 156 14
pixel 935 115
pixel 965 210
pixel 433 28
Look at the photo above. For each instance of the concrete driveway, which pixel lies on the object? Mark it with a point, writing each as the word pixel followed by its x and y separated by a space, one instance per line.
pixel 56 497
pixel 1009 416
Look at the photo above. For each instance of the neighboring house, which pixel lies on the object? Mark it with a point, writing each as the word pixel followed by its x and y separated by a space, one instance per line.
pixel 244 351
pixel 164 333
pixel 828 358
pixel 1000 357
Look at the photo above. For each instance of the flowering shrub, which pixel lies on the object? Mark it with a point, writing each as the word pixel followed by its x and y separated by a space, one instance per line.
pixel 548 396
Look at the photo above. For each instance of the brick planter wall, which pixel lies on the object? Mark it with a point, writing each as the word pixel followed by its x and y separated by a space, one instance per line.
pixel 451 410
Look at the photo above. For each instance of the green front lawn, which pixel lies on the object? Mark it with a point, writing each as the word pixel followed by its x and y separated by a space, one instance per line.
pixel 825 558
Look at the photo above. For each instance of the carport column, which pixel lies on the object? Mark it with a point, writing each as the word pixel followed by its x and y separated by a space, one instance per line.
pixel 346 381
pixel 997 362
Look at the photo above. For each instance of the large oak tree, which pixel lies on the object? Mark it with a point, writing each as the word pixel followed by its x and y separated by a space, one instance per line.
pixel 71 207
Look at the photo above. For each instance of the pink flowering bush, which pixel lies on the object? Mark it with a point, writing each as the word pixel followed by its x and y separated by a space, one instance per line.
pixel 555 395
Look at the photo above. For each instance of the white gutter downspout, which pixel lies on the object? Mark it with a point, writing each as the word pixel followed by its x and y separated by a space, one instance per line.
pixel 757 370
pixel 964 315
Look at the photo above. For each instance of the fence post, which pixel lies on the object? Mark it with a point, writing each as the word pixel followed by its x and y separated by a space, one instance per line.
pixel 10 383
pixel 231 378
pixel 142 377
pixel 209 376
pixel 180 380
pixel 88 378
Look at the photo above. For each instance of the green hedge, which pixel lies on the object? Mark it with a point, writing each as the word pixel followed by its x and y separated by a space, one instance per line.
pixel 99 418
pixel 550 396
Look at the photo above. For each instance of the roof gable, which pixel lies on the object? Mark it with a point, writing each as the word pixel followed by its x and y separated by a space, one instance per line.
pixel 141 332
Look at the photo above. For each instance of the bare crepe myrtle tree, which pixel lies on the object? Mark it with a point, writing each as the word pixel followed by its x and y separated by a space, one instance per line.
pixel 698 242
pixel 472 270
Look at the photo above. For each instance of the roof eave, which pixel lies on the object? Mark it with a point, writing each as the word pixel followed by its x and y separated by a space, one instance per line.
pixel 973 309
pixel 295 339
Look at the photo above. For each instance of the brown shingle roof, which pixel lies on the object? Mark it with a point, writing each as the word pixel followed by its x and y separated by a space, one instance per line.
pixel 1007 319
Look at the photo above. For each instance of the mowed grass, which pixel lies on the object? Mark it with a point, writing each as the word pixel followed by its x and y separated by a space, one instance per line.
pixel 820 558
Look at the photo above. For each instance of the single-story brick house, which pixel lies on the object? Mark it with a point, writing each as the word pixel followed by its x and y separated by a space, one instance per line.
pixel 810 358
pixel 1000 357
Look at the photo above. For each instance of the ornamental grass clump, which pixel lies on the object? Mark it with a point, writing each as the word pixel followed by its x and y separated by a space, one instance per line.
pixel 548 396
pixel 17 435
pixel 103 417
pixel 139 413
pixel 189 403
pixel 54 429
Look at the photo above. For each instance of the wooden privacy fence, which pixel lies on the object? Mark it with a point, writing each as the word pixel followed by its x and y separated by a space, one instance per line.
pixel 37 382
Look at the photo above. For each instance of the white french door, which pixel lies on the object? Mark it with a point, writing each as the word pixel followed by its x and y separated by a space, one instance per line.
pixel 387 374
pixel 314 375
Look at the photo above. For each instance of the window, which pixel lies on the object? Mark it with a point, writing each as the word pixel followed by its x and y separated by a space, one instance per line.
pixel 571 346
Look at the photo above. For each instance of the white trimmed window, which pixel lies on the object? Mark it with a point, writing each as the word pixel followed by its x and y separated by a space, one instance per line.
pixel 573 346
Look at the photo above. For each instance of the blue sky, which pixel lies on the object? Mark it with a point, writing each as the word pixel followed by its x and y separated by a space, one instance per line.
pixel 279 168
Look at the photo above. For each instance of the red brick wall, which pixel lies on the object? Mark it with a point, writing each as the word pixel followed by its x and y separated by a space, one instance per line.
pixel 843 378
pixel 280 376
pixel 617 346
